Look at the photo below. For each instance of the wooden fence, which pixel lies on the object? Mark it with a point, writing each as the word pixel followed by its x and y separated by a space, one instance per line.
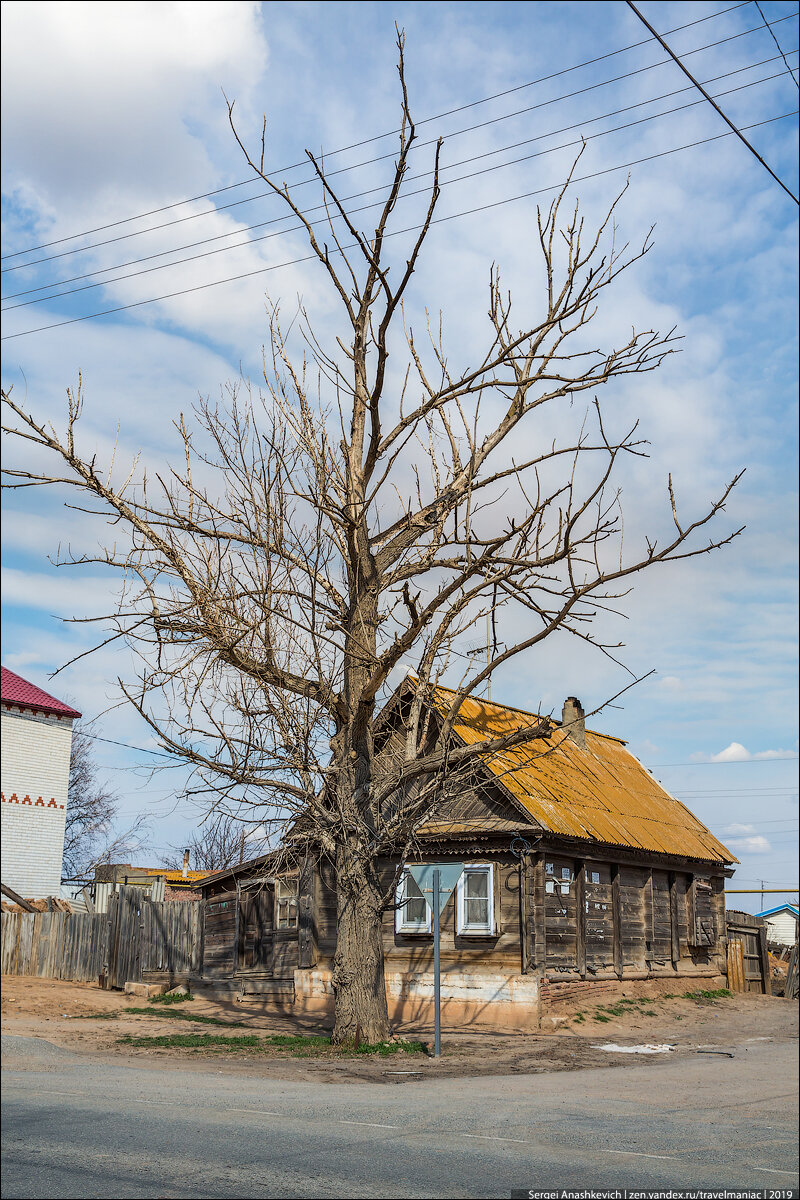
pixel 748 961
pixel 172 938
pixel 135 937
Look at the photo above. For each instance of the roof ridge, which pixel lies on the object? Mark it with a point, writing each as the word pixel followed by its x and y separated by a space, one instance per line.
pixel 14 689
pixel 527 713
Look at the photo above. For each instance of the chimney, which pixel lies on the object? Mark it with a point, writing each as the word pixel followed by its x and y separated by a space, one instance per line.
pixel 186 864
pixel 573 721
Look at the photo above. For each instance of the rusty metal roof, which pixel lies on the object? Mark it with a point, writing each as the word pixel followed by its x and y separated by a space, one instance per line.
pixel 601 793
pixel 174 876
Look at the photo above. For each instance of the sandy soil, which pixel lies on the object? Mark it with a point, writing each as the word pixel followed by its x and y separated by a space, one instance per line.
pixel 82 1017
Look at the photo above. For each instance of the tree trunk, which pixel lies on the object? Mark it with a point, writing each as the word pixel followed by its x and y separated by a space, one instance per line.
pixel 359 985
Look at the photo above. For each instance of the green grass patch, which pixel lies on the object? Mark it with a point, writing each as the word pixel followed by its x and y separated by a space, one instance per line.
pixel 297 1041
pixel 300 1046
pixel 306 1047
pixel 713 994
pixel 604 1012
pixel 178 998
pixel 598 1016
pixel 193 1041
pixel 579 1018
pixel 182 1016
pixel 99 1016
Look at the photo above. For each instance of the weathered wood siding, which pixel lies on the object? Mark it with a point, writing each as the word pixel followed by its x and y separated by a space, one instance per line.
pixel 599 916
pixel 256 911
pixel 500 952
pixel 54 945
pixel 219 935
pixel 171 938
pixel 134 937
pixel 590 917
pixel 560 913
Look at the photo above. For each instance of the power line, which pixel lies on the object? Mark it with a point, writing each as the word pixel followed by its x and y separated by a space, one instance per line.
pixel 369 162
pixel 358 195
pixel 142 749
pixel 378 137
pixel 777 43
pixel 395 233
pixel 728 762
pixel 321 208
pixel 753 793
pixel 712 102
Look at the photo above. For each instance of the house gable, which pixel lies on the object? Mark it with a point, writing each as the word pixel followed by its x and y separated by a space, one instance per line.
pixel 597 792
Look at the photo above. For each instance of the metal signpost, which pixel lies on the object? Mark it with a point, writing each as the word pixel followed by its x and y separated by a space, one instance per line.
pixel 443 878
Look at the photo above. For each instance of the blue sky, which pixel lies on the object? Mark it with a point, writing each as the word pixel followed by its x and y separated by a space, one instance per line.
pixel 116 110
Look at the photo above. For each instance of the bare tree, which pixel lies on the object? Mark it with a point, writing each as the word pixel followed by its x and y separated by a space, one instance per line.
pixel 313 538
pixel 92 808
pixel 221 842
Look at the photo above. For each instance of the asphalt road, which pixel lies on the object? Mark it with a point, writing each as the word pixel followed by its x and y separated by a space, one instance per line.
pixel 75 1126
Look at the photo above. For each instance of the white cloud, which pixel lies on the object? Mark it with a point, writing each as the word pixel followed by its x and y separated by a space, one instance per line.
pixel 736 752
pixel 81 596
pixel 114 109
pixel 749 845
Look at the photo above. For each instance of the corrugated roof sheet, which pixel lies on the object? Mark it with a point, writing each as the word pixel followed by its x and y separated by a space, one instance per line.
pixel 602 793
pixel 16 690
pixel 174 877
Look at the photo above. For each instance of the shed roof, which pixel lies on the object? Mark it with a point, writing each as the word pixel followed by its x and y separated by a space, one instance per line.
pixel 601 793
pixel 174 876
pixel 16 690
pixel 779 908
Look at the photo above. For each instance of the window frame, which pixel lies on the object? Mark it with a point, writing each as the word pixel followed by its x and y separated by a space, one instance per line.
pixel 401 925
pixel 289 883
pixel 463 928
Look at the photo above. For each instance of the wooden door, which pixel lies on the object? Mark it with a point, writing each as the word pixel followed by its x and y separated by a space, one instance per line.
pixel 256 932
pixel 219 935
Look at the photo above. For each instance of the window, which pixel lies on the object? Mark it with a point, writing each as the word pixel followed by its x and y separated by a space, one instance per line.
pixel 412 915
pixel 475 900
pixel 286 904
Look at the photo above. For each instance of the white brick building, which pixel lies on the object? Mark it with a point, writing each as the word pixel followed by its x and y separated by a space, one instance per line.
pixel 34 780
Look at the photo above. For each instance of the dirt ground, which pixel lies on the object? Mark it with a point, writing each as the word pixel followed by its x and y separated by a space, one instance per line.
pixel 83 1017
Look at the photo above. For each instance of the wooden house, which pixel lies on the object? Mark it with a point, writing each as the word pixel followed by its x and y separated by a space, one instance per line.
pixel 781 923
pixel 579 868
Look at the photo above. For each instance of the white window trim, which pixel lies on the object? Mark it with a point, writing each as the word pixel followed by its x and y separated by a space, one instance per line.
pixel 462 927
pixel 290 886
pixel 400 923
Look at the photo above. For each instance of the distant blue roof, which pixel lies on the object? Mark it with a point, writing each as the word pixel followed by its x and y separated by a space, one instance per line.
pixel 768 912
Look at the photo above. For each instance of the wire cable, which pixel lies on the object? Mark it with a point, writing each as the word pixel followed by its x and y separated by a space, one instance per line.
pixel 712 102
pixel 395 233
pixel 727 762
pixel 321 208
pixel 381 158
pixel 376 137
pixel 777 43
pixel 358 195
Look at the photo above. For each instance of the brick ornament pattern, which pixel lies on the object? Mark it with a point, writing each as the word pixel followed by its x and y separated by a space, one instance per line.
pixel 39 803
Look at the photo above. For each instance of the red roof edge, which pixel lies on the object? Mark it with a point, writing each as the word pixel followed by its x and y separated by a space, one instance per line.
pixel 16 690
